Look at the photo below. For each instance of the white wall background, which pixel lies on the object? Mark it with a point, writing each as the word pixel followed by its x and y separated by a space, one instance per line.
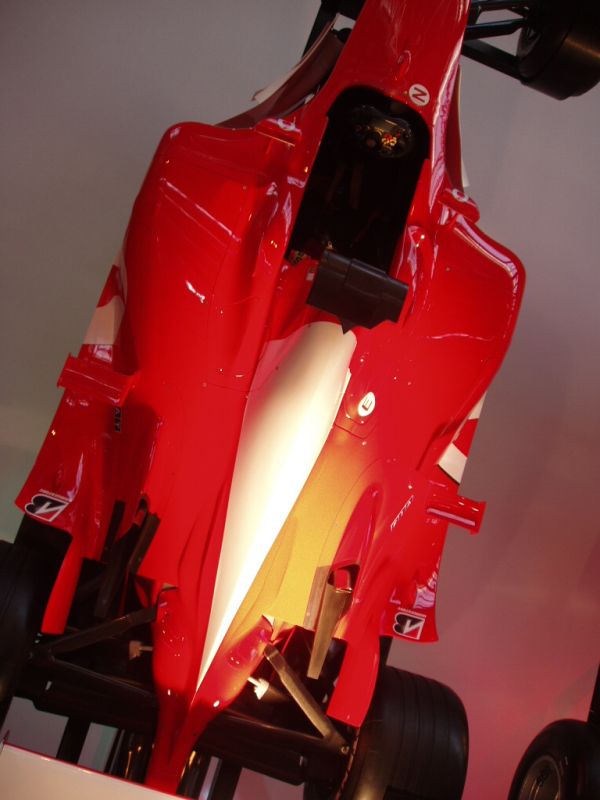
pixel 87 89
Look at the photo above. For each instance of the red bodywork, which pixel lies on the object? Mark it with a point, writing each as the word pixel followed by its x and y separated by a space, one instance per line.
pixel 204 305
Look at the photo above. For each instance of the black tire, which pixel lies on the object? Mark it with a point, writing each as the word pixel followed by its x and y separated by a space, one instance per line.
pixel 24 587
pixel 559 50
pixel 413 743
pixel 561 763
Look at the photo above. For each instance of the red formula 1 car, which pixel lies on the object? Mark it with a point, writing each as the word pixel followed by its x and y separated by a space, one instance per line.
pixel 245 491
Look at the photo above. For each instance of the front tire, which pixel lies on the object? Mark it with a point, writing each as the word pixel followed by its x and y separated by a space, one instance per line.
pixel 413 743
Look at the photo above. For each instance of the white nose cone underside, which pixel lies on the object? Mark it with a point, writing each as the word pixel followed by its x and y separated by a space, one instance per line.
pixel 294 399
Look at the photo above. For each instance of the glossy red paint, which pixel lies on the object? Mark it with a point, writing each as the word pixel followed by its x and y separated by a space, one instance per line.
pixel 154 406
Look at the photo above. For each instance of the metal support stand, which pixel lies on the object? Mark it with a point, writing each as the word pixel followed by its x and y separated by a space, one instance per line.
pixel 194 775
pixel 225 781
pixel 73 740
pixel 305 700
pixel 129 756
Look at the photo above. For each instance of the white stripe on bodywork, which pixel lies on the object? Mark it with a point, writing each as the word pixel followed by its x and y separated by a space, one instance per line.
pixel 293 402
pixel 476 412
pixel 105 323
pixel 453 461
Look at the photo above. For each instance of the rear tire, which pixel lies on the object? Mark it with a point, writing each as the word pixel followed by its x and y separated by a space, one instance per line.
pixel 559 51
pixel 561 763
pixel 413 743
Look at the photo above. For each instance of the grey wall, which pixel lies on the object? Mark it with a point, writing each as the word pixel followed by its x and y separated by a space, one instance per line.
pixel 87 89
